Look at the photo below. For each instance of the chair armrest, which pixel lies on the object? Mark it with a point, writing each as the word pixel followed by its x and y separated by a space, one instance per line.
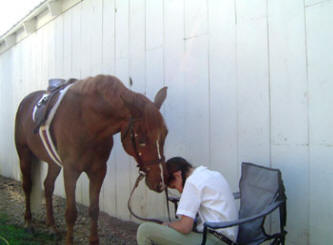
pixel 267 210
pixel 236 195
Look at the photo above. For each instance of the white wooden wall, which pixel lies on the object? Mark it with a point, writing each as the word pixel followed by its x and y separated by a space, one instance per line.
pixel 248 81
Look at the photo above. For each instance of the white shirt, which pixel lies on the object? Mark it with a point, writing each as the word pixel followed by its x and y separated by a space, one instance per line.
pixel 208 193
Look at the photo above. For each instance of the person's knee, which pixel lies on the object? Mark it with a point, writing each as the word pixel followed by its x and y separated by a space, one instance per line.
pixel 143 228
pixel 144 232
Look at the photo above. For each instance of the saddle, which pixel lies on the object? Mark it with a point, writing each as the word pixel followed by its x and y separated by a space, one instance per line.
pixel 45 104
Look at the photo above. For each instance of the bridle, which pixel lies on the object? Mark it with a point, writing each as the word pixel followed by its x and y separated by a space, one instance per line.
pixel 143 169
pixel 141 164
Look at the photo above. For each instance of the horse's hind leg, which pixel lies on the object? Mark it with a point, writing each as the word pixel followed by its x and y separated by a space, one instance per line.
pixel 96 178
pixel 70 178
pixel 52 174
pixel 26 159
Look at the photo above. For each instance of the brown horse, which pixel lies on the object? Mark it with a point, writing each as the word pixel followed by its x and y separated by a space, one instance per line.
pixel 91 112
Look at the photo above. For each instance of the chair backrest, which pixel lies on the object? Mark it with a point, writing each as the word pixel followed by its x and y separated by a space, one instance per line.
pixel 259 187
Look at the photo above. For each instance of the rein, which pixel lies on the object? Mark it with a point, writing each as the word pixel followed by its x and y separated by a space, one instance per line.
pixel 142 173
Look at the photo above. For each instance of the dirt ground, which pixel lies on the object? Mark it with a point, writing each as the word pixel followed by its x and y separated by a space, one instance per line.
pixel 111 230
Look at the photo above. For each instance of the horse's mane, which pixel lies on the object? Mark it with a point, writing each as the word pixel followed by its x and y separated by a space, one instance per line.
pixel 110 88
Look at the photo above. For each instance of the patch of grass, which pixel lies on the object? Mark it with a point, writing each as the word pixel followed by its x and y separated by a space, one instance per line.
pixel 15 235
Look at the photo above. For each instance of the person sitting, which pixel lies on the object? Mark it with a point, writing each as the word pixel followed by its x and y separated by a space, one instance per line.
pixel 205 194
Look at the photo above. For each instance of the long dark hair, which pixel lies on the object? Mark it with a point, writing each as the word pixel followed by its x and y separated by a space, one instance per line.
pixel 178 163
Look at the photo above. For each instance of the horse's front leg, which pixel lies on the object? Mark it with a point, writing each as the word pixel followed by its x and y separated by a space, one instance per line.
pixel 96 177
pixel 70 179
pixel 52 174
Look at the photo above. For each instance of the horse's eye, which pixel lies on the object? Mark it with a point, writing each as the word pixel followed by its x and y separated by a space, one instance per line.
pixel 142 141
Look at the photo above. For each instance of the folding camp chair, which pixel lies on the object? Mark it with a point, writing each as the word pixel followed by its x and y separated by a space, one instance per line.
pixel 261 192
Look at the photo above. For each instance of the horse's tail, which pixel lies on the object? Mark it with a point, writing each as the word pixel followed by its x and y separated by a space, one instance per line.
pixel 36 195
pixel 29 164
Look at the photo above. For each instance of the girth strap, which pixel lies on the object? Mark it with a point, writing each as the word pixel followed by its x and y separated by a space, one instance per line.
pixel 44 130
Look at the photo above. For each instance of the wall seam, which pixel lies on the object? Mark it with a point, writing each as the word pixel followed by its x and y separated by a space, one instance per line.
pixel 145 57
pixel 115 69
pixel 209 88
pixel 269 98
pixel 269 87
pixel 308 121
pixel 237 93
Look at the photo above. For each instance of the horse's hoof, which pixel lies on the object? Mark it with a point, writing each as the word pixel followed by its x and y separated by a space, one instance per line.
pixel 29 229
pixel 56 236
pixel 94 242
pixel 54 229
pixel 69 240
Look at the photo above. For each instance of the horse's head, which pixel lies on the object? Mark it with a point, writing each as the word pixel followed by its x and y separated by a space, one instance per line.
pixel 143 137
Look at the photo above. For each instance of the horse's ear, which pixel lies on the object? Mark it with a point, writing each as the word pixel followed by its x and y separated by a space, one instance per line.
pixel 133 108
pixel 160 97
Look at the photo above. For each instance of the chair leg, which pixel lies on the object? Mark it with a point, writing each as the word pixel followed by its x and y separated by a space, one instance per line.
pixel 204 236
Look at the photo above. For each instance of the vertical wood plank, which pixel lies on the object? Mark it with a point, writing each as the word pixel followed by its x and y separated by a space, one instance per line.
pixel 195 18
pixel 11 73
pixel 321 200
pixel 59 47
pixel 51 42
pixel 154 24
pixel 154 47
pixel 223 89
pixel 76 55
pixel 196 84
pixel 91 37
pixel 45 57
pixel 289 121
pixel 67 43
pixel 320 60
pixel 174 65
pixel 196 132
pixel 253 84
pixel 38 50
pixel 95 35
pixel 108 33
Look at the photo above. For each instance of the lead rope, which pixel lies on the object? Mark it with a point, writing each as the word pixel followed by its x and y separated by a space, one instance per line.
pixel 167 202
pixel 162 178
pixel 140 177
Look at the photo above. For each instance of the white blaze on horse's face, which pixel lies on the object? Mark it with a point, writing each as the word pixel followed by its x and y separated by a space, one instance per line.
pixel 162 186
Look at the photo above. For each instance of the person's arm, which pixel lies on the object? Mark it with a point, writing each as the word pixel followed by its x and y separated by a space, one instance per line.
pixel 184 225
